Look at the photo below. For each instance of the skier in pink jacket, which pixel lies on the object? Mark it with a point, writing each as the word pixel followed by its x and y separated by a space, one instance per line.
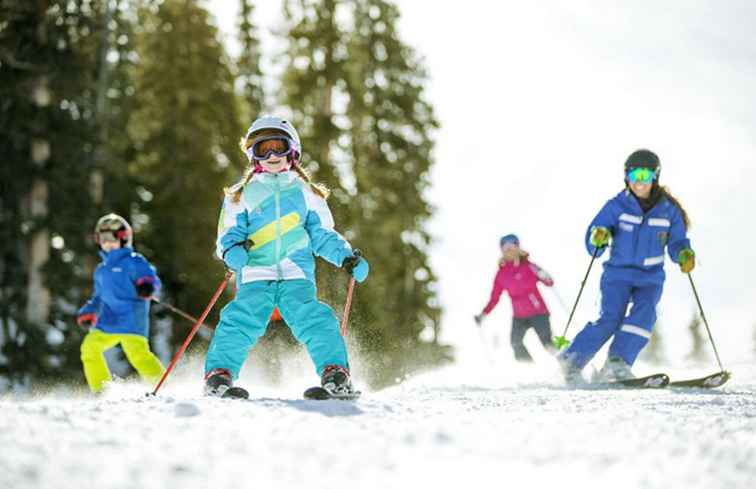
pixel 520 277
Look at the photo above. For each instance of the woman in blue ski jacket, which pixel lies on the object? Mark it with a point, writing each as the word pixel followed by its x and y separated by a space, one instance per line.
pixel 272 225
pixel 642 221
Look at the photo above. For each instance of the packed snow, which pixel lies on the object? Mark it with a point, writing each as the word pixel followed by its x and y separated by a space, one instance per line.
pixel 482 422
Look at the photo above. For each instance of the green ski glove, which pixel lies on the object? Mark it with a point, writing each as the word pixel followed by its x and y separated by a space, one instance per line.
pixel 560 342
pixel 687 260
pixel 600 236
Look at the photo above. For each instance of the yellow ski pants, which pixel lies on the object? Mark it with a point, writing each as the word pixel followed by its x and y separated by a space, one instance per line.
pixel 137 351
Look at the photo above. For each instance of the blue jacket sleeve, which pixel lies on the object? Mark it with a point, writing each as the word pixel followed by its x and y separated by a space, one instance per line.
pixel 94 303
pixel 605 218
pixel 324 240
pixel 678 239
pixel 142 270
pixel 233 231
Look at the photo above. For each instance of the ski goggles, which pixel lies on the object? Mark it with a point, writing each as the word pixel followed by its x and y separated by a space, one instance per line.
pixel 265 147
pixel 112 231
pixel 104 236
pixel 641 175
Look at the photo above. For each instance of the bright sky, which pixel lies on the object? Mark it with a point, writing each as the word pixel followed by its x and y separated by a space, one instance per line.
pixel 539 107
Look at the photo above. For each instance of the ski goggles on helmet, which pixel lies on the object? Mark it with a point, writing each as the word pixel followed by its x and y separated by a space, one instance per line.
pixel 265 147
pixel 111 231
pixel 641 175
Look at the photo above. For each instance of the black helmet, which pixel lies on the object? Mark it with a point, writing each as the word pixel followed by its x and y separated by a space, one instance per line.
pixel 643 158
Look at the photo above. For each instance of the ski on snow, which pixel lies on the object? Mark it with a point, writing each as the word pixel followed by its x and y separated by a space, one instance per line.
pixel 313 393
pixel 708 382
pixel 654 381
pixel 318 393
pixel 235 392
pixel 660 380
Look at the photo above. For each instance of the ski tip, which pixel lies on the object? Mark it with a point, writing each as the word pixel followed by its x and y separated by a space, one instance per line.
pixel 719 379
pixel 316 394
pixel 709 382
pixel 235 393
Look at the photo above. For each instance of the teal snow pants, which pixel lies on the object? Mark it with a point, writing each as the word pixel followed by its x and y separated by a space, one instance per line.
pixel 244 320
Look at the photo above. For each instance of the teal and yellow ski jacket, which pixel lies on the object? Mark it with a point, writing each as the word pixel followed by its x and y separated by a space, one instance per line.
pixel 276 229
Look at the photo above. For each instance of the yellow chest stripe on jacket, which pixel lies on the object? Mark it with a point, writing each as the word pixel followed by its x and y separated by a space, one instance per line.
pixel 267 233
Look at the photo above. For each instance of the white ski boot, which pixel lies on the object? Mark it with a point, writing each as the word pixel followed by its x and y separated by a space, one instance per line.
pixel 614 369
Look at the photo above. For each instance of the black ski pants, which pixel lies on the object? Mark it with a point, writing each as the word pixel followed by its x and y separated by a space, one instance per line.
pixel 520 326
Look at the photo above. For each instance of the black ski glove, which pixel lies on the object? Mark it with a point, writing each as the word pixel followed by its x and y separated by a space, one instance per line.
pixel 351 261
pixel 145 288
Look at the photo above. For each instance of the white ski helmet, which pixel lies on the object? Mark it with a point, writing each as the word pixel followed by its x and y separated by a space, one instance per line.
pixel 269 122
pixel 114 226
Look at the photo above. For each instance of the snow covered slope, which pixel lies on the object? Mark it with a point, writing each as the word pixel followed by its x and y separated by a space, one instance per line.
pixel 449 428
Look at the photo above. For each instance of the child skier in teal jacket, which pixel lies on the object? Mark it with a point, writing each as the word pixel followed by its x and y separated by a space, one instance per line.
pixel 272 225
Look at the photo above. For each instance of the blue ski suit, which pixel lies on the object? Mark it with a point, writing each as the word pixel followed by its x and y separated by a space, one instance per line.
pixel 270 238
pixel 115 301
pixel 633 274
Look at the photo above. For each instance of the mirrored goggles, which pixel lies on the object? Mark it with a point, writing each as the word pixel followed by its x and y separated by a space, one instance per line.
pixel 641 175
pixel 265 147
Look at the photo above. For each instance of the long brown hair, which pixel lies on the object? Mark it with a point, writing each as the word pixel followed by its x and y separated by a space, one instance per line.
pixel 666 193
pixel 235 191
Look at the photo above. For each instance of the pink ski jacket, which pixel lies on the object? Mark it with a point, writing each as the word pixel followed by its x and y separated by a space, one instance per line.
pixel 520 282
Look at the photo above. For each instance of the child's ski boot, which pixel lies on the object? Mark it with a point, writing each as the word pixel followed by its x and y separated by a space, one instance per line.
pixel 335 383
pixel 218 383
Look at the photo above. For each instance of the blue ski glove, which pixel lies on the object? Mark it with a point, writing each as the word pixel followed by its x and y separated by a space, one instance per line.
pixel 235 257
pixel 357 266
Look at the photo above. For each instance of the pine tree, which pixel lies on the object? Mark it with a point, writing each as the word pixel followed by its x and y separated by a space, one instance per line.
pixel 185 128
pixel 248 64
pixel 391 127
pixel 47 79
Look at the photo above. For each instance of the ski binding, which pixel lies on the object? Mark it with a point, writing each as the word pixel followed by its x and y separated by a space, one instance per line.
pixel 654 381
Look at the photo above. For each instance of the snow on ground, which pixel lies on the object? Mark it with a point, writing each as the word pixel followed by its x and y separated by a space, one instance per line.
pixel 447 428
pixel 511 426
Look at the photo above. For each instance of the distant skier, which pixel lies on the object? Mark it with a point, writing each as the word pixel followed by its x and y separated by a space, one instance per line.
pixel 272 225
pixel 520 277
pixel 119 310
pixel 642 220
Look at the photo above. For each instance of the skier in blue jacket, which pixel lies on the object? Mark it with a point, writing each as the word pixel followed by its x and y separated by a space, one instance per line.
pixel 272 225
pixel 119 310
pixel 641 222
